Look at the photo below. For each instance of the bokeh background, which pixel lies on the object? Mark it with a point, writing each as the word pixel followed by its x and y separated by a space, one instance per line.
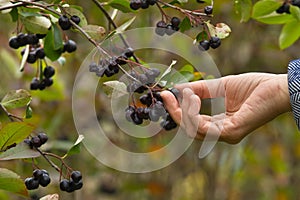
pixel 265 165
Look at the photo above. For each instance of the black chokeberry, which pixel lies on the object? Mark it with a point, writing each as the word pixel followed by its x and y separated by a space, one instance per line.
pixel 49 71
pixel 146 99
pixel 128 52
pixel 200 1
pixel 40 53
pixel 208 10
pixel 40 36
pixel 76 176
pixel 296 3
pixel 135 4
pixel 34 85
pixel 169 29
pixel 136 119
pixel 31 57
pixel 128 112
pixel 43 137
pixel 14 43
pixel 152 2
pixel 44 180
pixel 70 46
pixel 42 85
pixel 175 21
pixel 31 183
pixel 37 174
pixel 22 39
pixel 64 185
pixel 284 8
pixel 75 19
pixel 76 186
pixel 215 42
pixel 144 4
pixel 64 22
pixel 36 141
pixel 48 82
pixel 204 45
pixel 93 67
pixel 32 39
pixel 28 142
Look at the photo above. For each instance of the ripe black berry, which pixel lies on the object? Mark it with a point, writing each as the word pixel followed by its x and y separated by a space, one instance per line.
pixel 296 3
pixel 44 180
pixel 200 1
pixel 135 119
pixel 64 185
pixel 13 42
pixel 43 137
pixel 64 22
pixel 32 39
pixel 76 186
pixel 76 176
pixel 49 71
pixel 47 82
pixel 31 183
pixel 175 21
pixel 22 39
pixel 34 85
pixel 70 46
pixel 37 174
pixel 284 8
pixel 152 2
pixel 40 53
pixel 36 142
pixel 204 45
pixel 40 36
pixel 75 19
pixel 169 29
pixel 214 42
pixel 31 57
pixel 42 85
pixel 128 52
pixel 208 10
pixel 135 4
pixel 144 4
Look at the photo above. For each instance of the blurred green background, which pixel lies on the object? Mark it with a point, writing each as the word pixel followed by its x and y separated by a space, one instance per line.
pixel 265 165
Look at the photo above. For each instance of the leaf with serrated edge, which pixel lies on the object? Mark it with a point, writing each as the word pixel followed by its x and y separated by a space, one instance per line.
pixel 16 99
pixel 14 132
pixel 75 148
pixel 21 151
pixel 10 181
pixel 124 26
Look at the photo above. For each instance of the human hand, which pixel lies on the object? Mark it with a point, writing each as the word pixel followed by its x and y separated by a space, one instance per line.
pixel 251 100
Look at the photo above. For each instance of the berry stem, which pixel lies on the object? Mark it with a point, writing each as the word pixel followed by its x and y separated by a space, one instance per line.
pixel 44 154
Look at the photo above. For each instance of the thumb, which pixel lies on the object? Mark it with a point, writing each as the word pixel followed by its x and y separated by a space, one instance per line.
pixel 172 106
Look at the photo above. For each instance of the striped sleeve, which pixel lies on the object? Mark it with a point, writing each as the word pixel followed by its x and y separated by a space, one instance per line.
pixel 294 88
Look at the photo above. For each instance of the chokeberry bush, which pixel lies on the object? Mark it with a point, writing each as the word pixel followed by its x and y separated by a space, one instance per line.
pixel 43 38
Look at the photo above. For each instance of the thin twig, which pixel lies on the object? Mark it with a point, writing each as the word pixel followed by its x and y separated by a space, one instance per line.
pixel 48 160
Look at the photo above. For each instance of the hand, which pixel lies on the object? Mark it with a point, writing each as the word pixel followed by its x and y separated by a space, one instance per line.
pixel 251 100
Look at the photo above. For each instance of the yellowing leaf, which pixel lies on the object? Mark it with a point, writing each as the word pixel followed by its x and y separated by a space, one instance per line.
pixel 16 99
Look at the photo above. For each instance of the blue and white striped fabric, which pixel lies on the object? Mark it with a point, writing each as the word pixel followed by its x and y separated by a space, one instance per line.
pixel 294 88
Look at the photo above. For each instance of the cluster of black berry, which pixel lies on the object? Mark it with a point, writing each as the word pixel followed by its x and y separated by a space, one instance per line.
pixel 110 66
pixel 47 81
pixel 64 21
pixel 22 39
pixel 75 182
pixel 285 7
pixel 39 177
pixel 37 141
pixel 144 4
pixel 214 43
pixel 153 108
pixel 163 28
pixel 208 10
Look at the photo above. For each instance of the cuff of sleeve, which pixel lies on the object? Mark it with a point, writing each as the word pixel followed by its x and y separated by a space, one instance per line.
pixel 294 88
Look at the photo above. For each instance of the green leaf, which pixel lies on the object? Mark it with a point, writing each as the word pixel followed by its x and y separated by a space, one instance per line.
pixel 28 114
pixel 75 149
pixel 28 12
pixel 202 36
pixel 122 5
pixel 124 26
pixel 185 24
pixel 10 181
pixel 16 99
pixel 289 34
pixel 295 11
pixel 36 24
pixel 95 31
pixel 14 133
pixel 53 43
pixel 275 19
pixel 177 78
pixel 77 10
pixel 182 1
pixel 187 68
pixel 21 151
pixel 14 14
pixel 266 7
pixel 120 87
pixel 243 8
